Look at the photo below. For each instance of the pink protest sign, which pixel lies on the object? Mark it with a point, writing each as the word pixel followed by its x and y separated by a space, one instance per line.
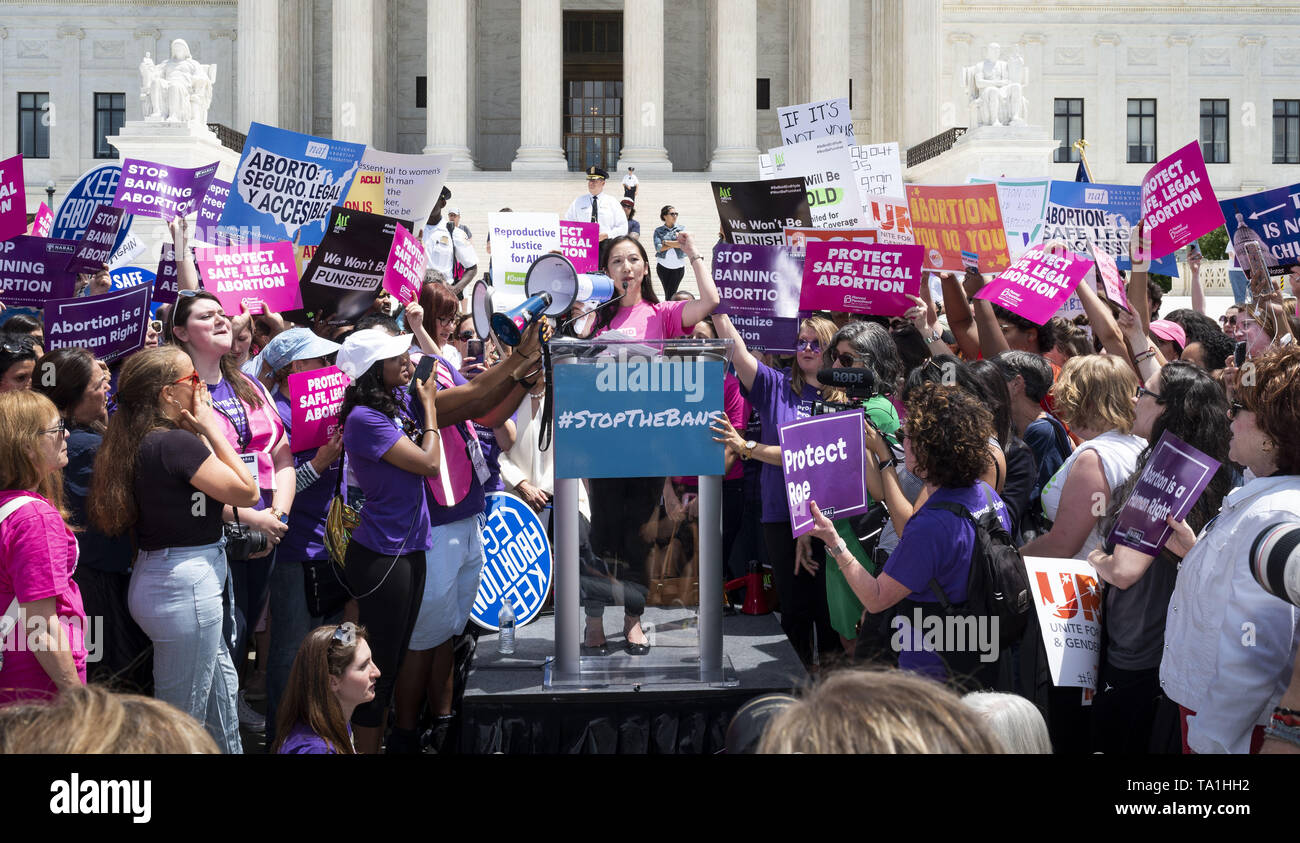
pixel 43 222
pixel 1037 283
pixel 404 271
pixel 13 199
pixel 238 274
pixel 1109 273
pixel 1178 203
pixel 580 242
pixel 315 399
pixel 860 277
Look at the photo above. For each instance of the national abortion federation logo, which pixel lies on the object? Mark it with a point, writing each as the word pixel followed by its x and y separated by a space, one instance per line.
pixel 517 562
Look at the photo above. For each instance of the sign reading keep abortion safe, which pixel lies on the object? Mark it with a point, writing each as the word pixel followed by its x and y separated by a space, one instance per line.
pixel 637 416
pixel 821 459
pixel 517 562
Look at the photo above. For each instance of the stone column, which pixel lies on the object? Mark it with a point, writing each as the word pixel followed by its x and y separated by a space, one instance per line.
pixel 352 70
pixel 1106 159
pixel 447 43
pixel 643 88
pixel 4 33
pixel 1040 102
pixel 541 71
pixel 257 96
pixel 735 67
pixel 1184 118
pixel 827 49
pixel 66 137
pixel 906 100
pixel 1257 134
pixel 955 110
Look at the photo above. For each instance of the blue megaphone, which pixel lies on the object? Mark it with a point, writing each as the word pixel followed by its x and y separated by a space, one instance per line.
pixel 510 325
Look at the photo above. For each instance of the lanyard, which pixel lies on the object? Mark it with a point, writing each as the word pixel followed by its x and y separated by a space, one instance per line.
pixel 243 430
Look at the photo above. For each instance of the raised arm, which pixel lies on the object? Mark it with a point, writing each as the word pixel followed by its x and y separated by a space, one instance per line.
pixel 960 319
pixel 745 363
pixel 1101 320
pixel 187 274
pixel 696 311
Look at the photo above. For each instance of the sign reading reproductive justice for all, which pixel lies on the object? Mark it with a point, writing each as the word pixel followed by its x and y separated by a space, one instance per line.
pixel 517 562
pixel 861 278
pixel 238 274
pixel 1068 601
pixel 315 399
pixel 1037 284
pixel 821 459
pixel 950 220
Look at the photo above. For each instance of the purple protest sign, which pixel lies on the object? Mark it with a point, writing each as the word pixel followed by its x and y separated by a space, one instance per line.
pixel 210 208
pixel 13 198
pixel 43 222
pixel 160 190
pixel 34 270
pixel 1178 203
pixel 860 277
pixel 821 459
pixel 239 274
pixel 580 243
pixel 1171 482
pixel 166 284
pixel 315 399
pixel 96 246
pixel 111 325
pixel 404 272
pixel 759 287
pixel 1037 283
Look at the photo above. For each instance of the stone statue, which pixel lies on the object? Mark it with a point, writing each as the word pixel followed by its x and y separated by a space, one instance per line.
pixel 996 89
pixel 177 91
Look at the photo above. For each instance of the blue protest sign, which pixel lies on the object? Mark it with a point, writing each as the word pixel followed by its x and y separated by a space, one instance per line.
pixel 286 185
pixel 97 186
pixel 130 276
pixel 517 562
pixel 634 416
pixel 1077 211
pixel 1274 216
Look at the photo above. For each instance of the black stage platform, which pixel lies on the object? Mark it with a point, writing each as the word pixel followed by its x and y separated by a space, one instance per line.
pixel 512 704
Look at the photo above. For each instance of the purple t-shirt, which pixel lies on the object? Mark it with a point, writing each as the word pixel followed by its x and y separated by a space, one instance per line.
pixel 395 518
pixel 937 545
pixel 303 741
pixel 776 404
pixel 305 538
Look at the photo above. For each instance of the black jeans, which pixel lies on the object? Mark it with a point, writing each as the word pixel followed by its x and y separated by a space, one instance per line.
pixel 389 591
pixel 670 278
pixel 803 597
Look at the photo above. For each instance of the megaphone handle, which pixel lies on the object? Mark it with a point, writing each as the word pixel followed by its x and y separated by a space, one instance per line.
pixel 595 309
pixel 548 402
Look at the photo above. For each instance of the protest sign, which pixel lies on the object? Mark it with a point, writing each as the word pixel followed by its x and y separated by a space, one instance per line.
pixel 209 215
pixel 315 399
pixel 861 278
pixel 1178 203
pixel 1274 217
pixel 1110 279
pixel 759 287
pixel 13 198
pixel 367 193
pixel 946 220
pixel 811 120
pixel 1038 283
pixel 665 404
pixel 412 183
pixel 404 271
pixel 111 325
pixel 758 212
pixel 1104 214
pixel 97 186
pixel 166 282
pixel 891 218
pixel 580 242
pixel 286 186
pixel 347 269
pixel 241 275
pixel 1023 203
pixel 127 250
pixel 796 239
pixel 517 562
pixel 1068 601
pixel 34 270
pixel 821 460
pixel 96 245
pixel 160 190
pixel 827 170
pixel 877 170
pixel 130 276
pixel 1171 482
pixel 518 239
pixel 43 222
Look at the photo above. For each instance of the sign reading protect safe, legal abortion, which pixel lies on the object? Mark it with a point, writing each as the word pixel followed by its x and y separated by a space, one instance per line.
pixel 517 562
pixel 315 399
pixel 637 416
pixel 1178 203
pixel 821 460
pixel 1171 482
pixel 238 274
pixel 1038 283
pixel 861 278
pixel 1068 601
pixel 111 325
pixel 404 272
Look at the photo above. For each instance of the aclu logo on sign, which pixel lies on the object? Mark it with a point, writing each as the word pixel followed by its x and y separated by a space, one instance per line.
pixel 1096 196
pixel 316 149
pixel 621 374
pixel 517 562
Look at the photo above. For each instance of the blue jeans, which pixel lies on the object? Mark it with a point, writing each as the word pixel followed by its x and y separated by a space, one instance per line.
pixel 1240 285
pixel 290 623
pixel 176 598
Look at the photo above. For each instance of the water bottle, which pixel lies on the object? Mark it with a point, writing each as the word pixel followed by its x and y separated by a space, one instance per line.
pixel 506 624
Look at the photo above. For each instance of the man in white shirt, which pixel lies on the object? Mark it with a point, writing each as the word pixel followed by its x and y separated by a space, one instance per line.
pixel 442 243
pixel 630 181
pixel 592 207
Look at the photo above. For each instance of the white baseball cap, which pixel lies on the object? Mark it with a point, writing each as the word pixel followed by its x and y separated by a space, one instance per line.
pixel 364 348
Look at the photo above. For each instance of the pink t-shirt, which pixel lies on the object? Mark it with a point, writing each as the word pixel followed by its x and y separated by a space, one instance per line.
pixel 38 554
pixel 645 321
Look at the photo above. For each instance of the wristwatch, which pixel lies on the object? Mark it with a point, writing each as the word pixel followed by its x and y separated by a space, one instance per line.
pixel 282 517
pixel 746 451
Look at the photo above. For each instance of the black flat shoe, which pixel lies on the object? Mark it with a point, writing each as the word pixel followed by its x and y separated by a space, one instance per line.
pixel 636 649
pixel 595 649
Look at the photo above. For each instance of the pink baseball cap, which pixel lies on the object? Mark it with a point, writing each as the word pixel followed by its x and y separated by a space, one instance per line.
pixel 1171 331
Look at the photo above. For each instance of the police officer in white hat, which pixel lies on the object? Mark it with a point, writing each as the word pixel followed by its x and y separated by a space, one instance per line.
pixel 592 207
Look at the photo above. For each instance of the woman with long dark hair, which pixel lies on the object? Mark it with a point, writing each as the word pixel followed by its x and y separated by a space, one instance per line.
pixel 332 674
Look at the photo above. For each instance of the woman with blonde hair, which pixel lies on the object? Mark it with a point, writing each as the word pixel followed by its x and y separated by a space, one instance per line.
pixel 332 674
pixel 38 554
pixel 95 721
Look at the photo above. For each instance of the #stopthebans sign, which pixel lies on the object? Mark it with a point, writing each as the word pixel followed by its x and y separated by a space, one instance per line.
pixel 517 562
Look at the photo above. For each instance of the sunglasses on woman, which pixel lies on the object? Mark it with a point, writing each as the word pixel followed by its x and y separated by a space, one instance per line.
pixel 465 336
pixel 1234 408
pixel 1142 390
pixel 192 379
pixel 814 346
pixel 345 634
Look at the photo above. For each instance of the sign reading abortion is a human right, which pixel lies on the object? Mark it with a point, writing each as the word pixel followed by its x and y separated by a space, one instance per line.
pixel 111 325
pixel 821 459
pixel 517 562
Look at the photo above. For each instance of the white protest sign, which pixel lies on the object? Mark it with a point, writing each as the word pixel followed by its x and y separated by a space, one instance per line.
pixel 1068 600
pixel 131 247
pixel 518 239
pixel 1023 203
pixel 412 183
pixel 877 168
pixel 890 217
pixel 827 171
pixel 819 119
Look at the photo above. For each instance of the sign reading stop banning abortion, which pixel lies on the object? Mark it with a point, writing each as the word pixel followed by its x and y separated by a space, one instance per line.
pixel 1170 484
pixel 861 278
pixel 404 272
pixel 1037 284
pixel 580 242
pixel 238 274
pixel 111 325
pixel 759 287
pixel 158 190
pixel 1178 203
pixel 315 399
pixel 948 220
pixel 33 270
pixel 821 459
pixel 96 245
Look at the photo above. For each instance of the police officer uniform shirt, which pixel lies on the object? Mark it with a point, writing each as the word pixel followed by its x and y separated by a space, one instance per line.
pixel 608 213
pixel 441 245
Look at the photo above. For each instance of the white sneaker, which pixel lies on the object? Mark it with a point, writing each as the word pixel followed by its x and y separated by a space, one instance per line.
pixel 248 718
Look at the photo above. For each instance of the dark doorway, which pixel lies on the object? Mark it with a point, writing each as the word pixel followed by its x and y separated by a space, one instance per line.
pixel 593 89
